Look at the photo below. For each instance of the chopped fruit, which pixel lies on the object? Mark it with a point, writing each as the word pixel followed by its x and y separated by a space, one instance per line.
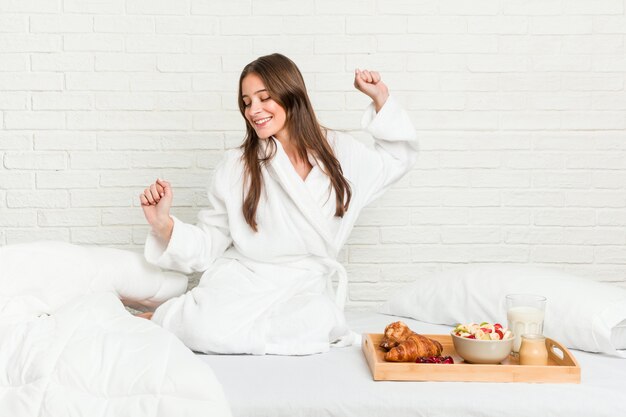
pixel 482 331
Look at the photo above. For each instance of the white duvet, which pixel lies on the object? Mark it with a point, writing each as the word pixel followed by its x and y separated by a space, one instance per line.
pixel 68 347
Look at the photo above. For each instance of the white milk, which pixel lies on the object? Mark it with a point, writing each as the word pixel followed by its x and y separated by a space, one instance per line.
pixel 524 320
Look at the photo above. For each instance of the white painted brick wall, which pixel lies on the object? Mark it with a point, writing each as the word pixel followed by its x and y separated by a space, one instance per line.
pixel 519 105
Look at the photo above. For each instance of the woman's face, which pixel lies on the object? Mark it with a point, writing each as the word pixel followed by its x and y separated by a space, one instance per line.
pixel 265 115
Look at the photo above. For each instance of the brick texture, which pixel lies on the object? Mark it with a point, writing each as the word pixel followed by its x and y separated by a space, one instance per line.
pixel 519 106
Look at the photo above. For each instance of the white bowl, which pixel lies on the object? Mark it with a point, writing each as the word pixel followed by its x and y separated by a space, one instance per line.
pixel 482 351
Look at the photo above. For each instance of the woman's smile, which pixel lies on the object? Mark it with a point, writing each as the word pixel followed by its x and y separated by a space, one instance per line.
pixel 263 113
pixel 259 123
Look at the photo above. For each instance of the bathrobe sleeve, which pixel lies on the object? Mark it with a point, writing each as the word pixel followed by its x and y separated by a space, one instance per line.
pixel 373 171
pixel 193 248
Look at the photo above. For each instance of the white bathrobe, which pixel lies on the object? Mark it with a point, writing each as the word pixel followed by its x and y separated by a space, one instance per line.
pixel 272 292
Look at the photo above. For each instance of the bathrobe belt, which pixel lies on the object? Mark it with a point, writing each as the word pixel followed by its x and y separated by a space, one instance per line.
pixel 341 293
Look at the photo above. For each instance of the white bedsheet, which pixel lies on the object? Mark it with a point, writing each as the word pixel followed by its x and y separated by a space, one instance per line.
pixel 339 383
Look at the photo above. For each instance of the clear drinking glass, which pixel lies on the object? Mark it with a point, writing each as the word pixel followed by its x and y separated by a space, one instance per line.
pixel 525 314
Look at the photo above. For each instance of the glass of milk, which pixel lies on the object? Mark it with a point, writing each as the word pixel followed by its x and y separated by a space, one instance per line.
pixel 524 313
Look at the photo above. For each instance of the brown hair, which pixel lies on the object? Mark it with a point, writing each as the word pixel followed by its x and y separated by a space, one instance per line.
pixel 284 83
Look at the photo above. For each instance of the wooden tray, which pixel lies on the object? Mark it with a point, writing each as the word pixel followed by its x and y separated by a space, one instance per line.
pixel 562 366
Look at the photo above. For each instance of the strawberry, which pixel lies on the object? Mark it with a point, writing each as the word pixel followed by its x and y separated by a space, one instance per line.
pixel 499 332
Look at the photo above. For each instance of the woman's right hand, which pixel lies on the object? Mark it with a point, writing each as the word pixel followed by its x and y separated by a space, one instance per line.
pixel 156 201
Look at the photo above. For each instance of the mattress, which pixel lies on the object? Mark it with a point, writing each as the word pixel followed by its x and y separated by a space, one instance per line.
pixel 339 383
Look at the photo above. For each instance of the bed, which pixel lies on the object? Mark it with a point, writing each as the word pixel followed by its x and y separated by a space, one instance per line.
pixel 68 346
pixel 339 383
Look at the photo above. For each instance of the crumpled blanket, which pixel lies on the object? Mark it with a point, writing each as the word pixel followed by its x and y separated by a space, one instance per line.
pixel 68 349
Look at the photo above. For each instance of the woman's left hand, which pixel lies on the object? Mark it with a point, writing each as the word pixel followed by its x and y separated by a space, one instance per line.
pixel 370 83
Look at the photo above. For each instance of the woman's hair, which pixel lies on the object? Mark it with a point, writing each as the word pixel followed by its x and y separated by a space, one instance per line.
pixel 284 84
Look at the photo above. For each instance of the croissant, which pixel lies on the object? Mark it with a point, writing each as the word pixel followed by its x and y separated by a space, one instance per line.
pixel 395 333
pixel 416 346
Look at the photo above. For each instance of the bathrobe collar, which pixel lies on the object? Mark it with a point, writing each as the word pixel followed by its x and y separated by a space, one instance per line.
pixel 281 169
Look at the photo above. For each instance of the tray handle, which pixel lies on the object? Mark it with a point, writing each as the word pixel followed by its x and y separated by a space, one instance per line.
pixel 563 357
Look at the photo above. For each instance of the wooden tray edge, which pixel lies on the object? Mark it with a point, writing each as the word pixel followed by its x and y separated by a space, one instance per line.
pixel 566 370
pixel 369 350
pixel 567 360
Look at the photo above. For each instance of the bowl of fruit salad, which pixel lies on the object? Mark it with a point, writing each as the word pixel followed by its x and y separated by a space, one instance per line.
pixel 482 342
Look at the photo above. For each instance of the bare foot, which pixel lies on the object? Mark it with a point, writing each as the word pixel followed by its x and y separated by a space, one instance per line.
pixel 147 315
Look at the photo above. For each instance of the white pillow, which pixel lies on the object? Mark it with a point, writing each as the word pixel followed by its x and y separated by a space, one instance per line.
pixel 43 276
pixel 580 313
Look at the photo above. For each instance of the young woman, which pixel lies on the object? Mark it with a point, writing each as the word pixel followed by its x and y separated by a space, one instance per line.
pixel 283 204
